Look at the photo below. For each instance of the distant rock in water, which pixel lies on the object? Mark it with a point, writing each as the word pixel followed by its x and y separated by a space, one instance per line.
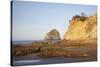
pixel 52 36
pixel 82 28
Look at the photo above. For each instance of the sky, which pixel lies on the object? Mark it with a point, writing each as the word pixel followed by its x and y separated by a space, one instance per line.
pixel 32 20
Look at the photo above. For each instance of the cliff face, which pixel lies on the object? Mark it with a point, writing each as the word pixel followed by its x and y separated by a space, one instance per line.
pixel 82 28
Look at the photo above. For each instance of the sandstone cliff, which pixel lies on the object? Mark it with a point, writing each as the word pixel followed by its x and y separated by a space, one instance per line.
pixel 82 28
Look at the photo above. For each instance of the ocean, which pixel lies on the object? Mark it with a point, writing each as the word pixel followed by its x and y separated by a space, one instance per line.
pixel 24 42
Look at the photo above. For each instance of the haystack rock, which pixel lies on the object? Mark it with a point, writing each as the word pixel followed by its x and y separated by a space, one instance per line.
pixel 52 36
pixel 82 28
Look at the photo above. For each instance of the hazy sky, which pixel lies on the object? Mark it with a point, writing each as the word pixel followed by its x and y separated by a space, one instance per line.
pixel 32 20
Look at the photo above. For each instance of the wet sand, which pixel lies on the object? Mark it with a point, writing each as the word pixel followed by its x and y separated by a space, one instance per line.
pixel 34 60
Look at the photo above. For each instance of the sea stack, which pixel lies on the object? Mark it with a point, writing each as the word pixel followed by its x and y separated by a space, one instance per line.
pixel 52 36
